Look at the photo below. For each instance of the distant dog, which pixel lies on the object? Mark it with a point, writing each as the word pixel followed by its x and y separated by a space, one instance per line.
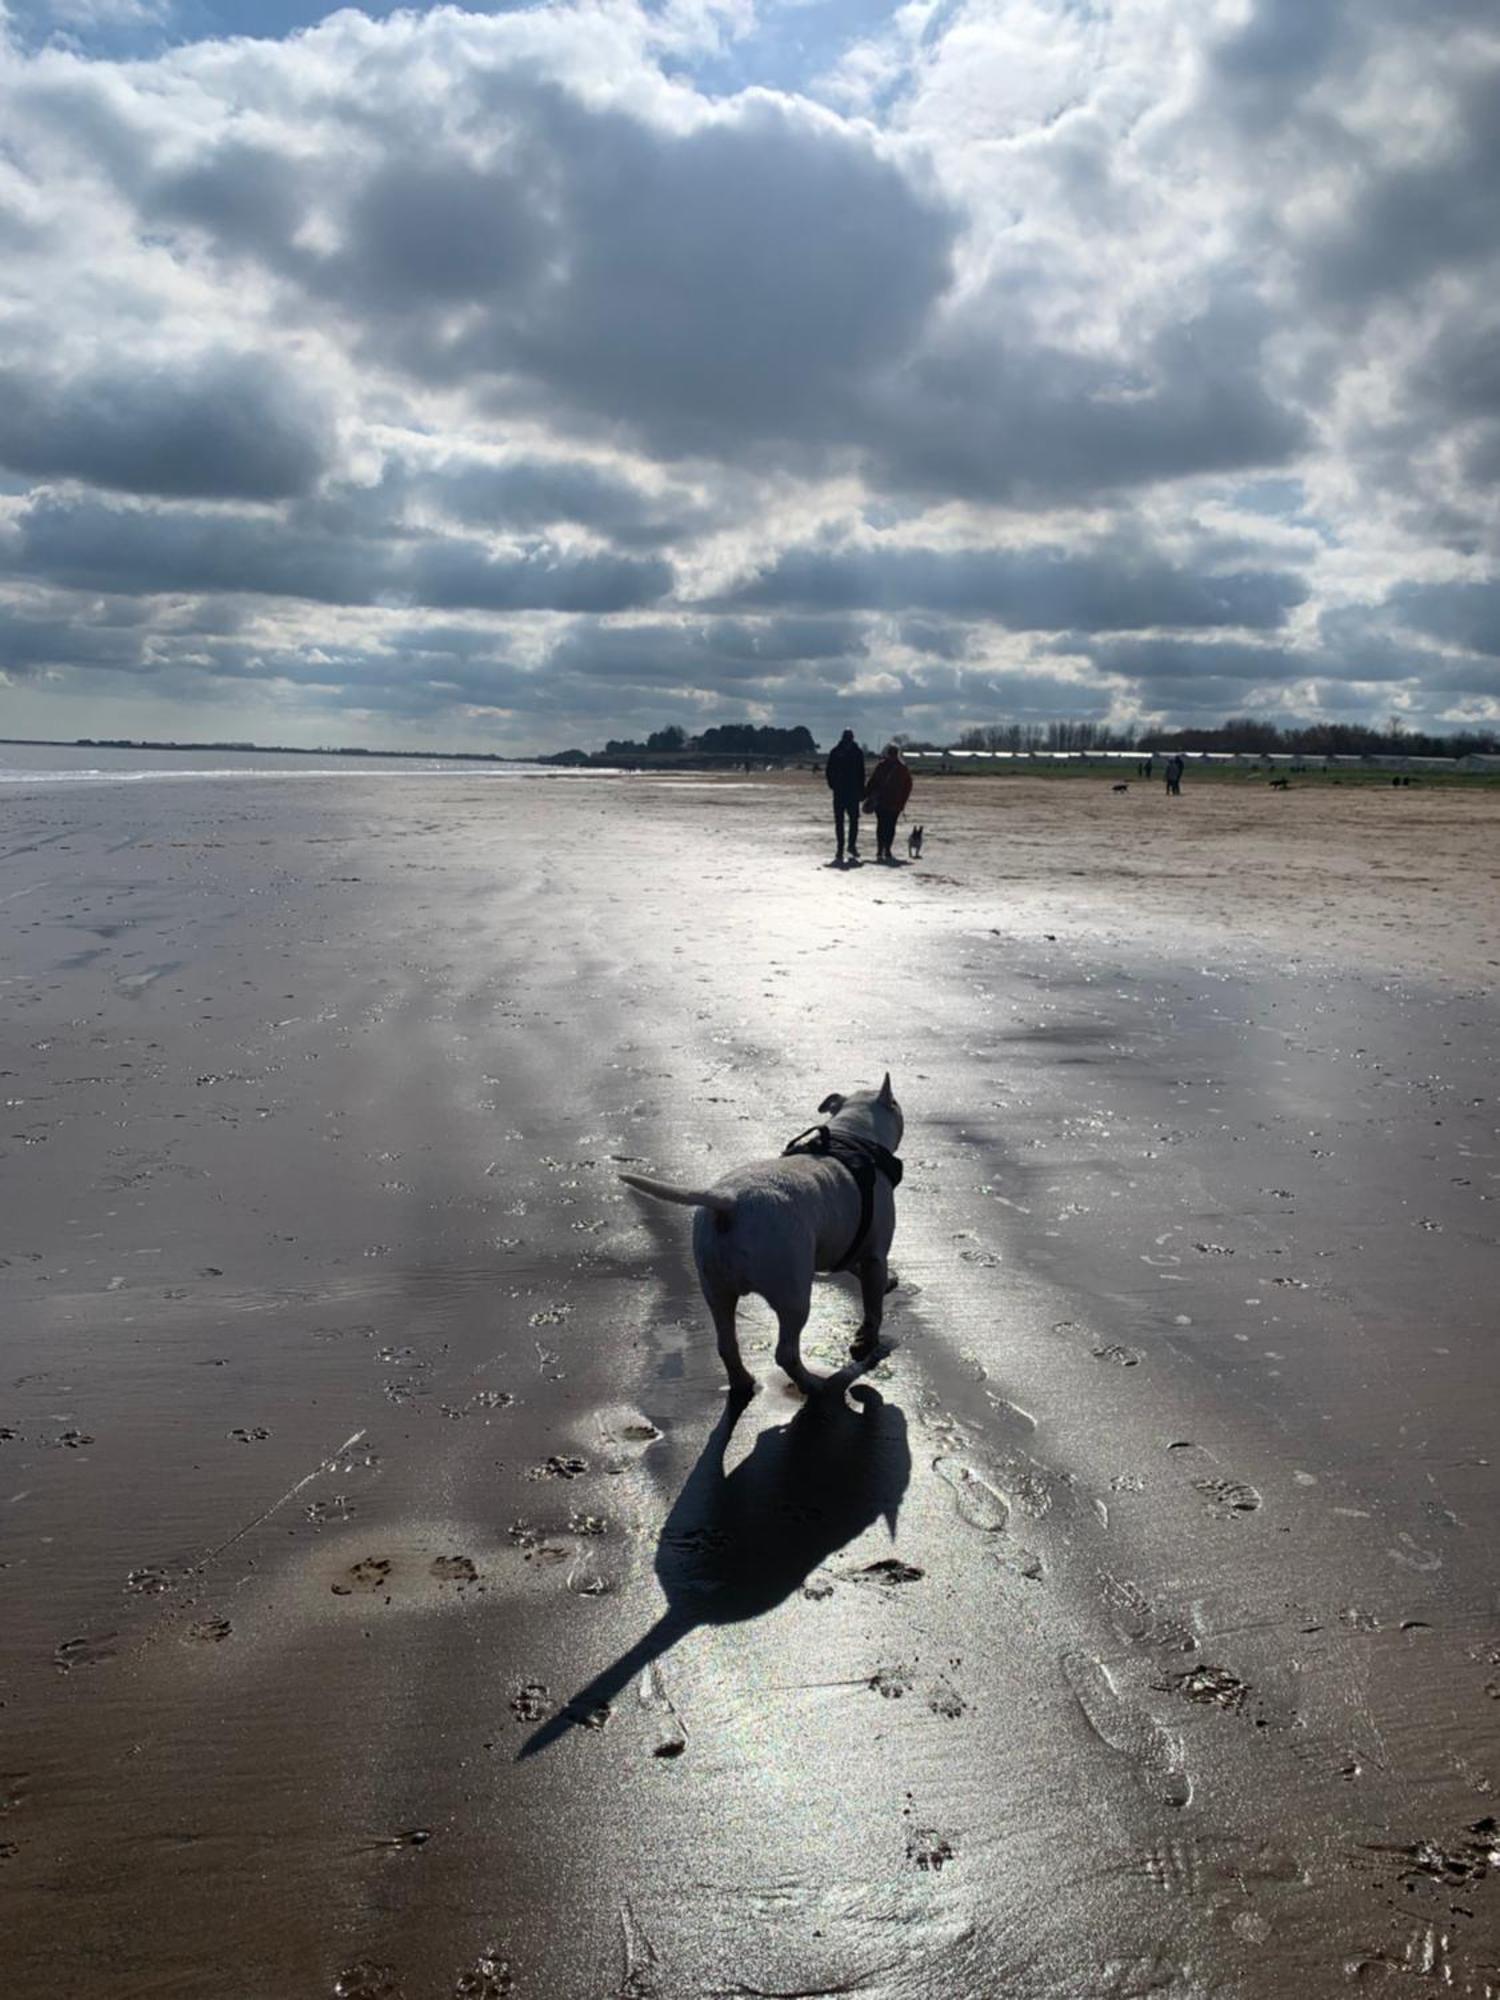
pixel 827 1204
pixel 1280 784
pixel 914 843
pixel 1119 788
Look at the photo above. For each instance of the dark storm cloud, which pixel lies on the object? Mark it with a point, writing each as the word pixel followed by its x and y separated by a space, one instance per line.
pixel 1280 48
pixel 91 545
pixel 944 642
pixel 1356 646
pixel 422 235
pixel 538 493
pixel 1023 589
pixel 411 673
pixel 741 279
pixel 1460 614
pixel 708 654
pixel 225 427
pixel 1411 220
pixel 247 199
pixel 30 642
pixel 699 288
pixel 1187 661
pixel 987 419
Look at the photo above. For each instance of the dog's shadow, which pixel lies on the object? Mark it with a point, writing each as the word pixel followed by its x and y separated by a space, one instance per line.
pixel 736 1545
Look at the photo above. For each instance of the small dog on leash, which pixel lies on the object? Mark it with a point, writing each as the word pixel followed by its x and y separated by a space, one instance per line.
pixel 827 1204
pixel 914 843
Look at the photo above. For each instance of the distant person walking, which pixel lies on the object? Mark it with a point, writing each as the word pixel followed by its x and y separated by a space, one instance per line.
pixel 1175 769
pixel 845 772
pixel 886 795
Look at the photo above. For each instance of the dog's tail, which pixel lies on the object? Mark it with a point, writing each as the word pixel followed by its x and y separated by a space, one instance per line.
pixel 721 1204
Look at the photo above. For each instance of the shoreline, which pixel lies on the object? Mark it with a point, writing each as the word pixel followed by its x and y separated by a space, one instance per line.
pixel 358 1423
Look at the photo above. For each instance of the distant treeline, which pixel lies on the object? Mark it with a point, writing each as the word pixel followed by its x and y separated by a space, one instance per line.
pixel 1241 734
pixel 728 739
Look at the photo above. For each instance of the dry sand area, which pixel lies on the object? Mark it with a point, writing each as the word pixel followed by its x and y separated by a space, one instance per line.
pixel 390 1606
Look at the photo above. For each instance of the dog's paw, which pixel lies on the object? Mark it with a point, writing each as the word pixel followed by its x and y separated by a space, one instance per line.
pixel 864 1345
pixel 742 1388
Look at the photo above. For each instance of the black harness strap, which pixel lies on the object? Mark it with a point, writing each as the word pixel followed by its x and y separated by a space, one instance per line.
pixel 863 1158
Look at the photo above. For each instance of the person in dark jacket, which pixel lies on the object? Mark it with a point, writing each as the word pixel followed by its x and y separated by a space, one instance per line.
pixel 886 795
pixel 845 772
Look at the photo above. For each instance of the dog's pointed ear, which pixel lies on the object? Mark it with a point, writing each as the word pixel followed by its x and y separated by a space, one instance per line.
pixel 832 1104
pixel 886 1096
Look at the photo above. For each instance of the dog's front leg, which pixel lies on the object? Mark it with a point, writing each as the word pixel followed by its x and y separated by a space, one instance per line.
pixel 873 1286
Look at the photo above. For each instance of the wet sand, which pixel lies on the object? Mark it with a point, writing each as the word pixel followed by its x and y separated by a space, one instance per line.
pixel 1132 1628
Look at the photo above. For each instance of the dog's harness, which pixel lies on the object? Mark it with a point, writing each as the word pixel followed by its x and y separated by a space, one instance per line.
pixel 864 1158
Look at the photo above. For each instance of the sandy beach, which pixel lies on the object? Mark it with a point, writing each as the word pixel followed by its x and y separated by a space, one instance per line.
pixel 1131 1629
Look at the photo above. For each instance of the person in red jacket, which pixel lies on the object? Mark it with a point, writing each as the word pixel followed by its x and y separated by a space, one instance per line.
pixel 886 795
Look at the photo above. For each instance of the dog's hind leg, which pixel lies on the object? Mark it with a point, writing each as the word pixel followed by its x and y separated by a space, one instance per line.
pixel 791 1317
pixel 723 1306
pixel 875 1280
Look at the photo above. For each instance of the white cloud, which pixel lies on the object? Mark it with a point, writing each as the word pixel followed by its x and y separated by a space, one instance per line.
pixel 1024 320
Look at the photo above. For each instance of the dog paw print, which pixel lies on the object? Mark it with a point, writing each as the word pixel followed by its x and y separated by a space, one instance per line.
pixel 488 1978
pixel 210 1631
pixel 454 1569
pixel 890 1682
pixel 530 1702
pixel 928 1849
pixel 369 1574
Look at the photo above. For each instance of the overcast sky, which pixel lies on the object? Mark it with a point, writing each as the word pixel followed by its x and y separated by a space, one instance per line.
pixel 522 378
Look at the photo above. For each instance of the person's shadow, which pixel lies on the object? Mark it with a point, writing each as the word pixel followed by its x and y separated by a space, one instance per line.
pixel 735 1546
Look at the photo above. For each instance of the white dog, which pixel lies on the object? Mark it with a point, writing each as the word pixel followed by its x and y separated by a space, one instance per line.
pixel 828 1204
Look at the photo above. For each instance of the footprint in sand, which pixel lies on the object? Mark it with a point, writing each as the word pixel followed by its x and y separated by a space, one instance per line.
pixel 1183 1866
pixel 359 1457
pixel 1210 1687
pixel 1227 1497
pixel 559 1466
pixel 209 1631
pixel 651 1692
pixel 1140 1622
pixel 1127 1729
pixel 370 1573
pixel 488 1978
pixel 151 1581
pixel 977 1501
pixel 888 1573
pixel 86 1651
pixel 1025 1563
pixel 365 1980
